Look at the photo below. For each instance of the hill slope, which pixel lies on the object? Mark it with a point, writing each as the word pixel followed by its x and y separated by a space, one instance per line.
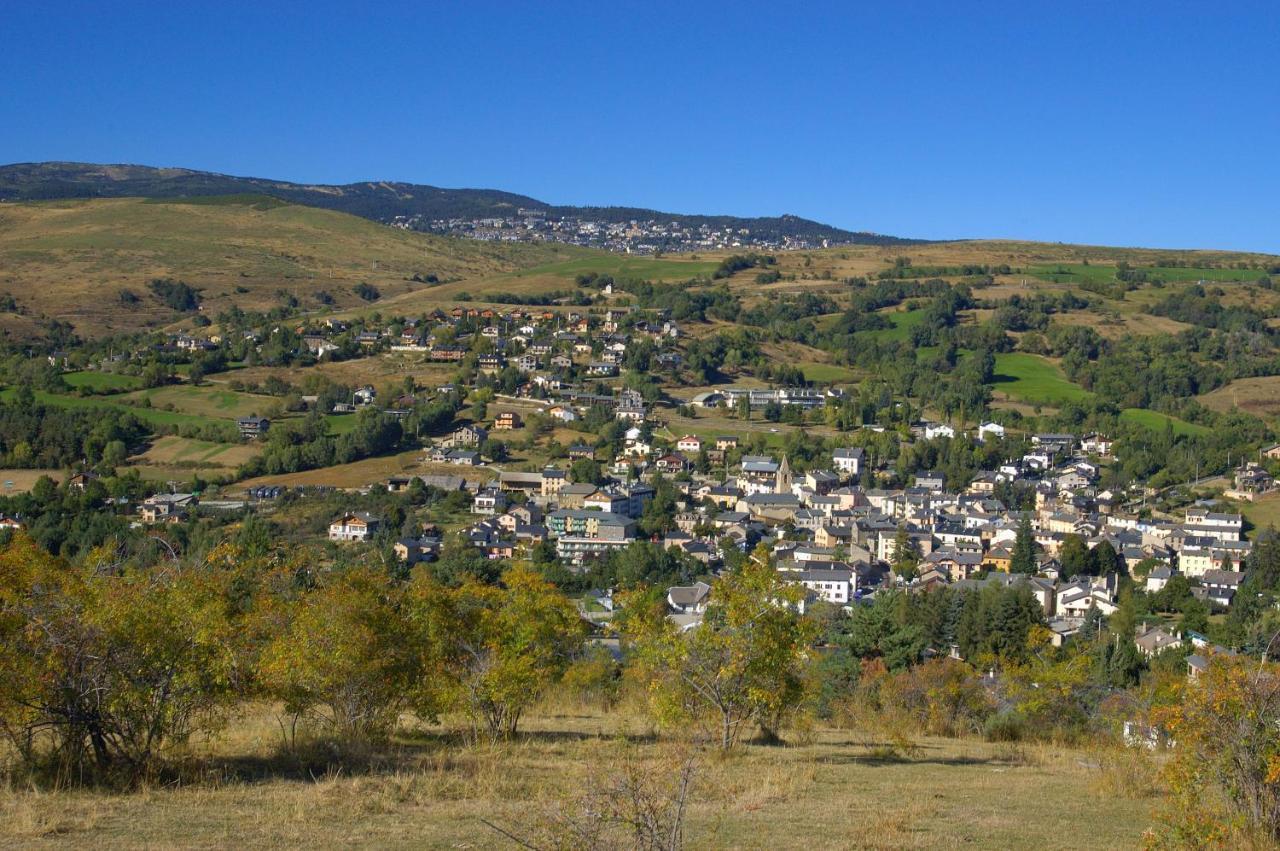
pixel 72 259
pixel 377 200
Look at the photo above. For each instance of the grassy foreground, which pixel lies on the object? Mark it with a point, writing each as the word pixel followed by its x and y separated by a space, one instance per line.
pixel 828 788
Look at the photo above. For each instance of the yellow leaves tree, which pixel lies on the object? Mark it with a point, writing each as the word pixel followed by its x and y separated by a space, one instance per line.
pixel 109 668
pixel 505 645
pixel 350 656
pixel 744 664
pixel 1224 770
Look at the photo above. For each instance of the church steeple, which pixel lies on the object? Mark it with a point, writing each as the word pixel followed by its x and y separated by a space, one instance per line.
pixel 782 481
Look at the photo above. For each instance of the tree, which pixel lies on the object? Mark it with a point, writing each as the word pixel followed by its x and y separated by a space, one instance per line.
pixel 505 645
pixel 1104 559
pixel 906 555
pixel 107 670
pixel 1074 556
pixel 1024 549
pixel 1224 772
pixel 346 656
pixel 586 471
pixel 743 664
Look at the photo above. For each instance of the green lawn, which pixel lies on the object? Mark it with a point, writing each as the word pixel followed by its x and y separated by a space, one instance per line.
pixel 1157 421
pixel 825 373
pixel 206 401
pixel 340 423
pixel 149 415
pixel 101 381
pixel 1035 380
pixel 904 321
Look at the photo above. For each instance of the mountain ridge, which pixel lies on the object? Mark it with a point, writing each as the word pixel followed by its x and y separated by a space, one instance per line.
pixel 379 200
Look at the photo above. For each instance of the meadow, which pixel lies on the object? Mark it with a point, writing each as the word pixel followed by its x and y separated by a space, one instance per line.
pixel 1070 273
pixel 1258 396
pixel 1157 421
pixel 1034 380
pixel 101 382
pixel 673 267
pixel 904 322
pixel 72 259
pixel 828 788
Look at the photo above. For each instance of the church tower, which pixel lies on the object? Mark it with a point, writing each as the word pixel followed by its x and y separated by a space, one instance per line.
pixel 782 481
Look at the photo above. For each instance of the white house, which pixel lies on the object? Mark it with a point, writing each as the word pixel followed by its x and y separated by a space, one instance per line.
pixel 934 430
pixel 990 430
pixel 689 443
pixel 353 526
pixel 848 459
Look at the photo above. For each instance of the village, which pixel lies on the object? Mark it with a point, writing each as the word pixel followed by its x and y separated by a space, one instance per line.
pixel 843 526
pixel 646 236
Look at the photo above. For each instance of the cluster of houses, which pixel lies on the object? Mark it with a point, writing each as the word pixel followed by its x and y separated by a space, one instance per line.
pixel 634 236
pixel 837 538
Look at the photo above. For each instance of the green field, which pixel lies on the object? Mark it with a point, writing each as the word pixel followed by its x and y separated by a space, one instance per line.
pixel 623 266
pixel 1035 380
pixel 904 322
pixel 1157 421
pixel 205 401
pixel 826 373
pixel 148 415
pixel 100 382
pixel 1077 273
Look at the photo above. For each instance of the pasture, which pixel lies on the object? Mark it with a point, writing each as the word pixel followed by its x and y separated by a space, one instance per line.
pixel 21 480
pixel 204 401
pixel 101 382
pixel 1158 422
pixel 1034 380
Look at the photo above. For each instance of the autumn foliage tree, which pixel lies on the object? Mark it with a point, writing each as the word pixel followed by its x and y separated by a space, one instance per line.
pixel 504 646
pixel 744 664
pixel 1224 766
pixel 349 656
pixel 104 667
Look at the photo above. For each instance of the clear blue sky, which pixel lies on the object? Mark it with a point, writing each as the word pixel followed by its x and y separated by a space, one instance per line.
pixel 1136 124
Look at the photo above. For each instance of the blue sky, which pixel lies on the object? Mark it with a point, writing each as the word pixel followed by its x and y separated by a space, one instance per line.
pixel 1131 124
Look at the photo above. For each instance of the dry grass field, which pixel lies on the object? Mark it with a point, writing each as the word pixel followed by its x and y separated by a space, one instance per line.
pixel 172 449
pixel 22 480
pixel 377 370
pixel 829 788
pixel 71 259
pixel 371 471
pixel 1257 396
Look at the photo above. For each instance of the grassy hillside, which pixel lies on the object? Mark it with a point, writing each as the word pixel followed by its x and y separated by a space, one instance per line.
pixel 834 789
pixel 72 259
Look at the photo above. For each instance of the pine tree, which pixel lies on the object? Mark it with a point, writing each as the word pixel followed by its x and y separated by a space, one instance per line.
pixel 1024 549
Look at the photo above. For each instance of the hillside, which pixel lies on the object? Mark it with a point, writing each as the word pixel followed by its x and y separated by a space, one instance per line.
pixel 89 262
pixel 72 260
pixel 377 200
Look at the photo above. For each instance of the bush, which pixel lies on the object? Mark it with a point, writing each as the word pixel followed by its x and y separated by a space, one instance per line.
pixel 1006 726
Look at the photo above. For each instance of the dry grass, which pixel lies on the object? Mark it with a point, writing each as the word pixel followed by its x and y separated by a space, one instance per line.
pixel 1257 396
pixel 71 258
pixel 830 789
pixel 174 450
pixel 378 371
pixel 371 471
pixel 24 480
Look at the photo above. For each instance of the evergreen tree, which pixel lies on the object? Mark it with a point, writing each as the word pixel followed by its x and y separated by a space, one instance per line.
pixel 1024 549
